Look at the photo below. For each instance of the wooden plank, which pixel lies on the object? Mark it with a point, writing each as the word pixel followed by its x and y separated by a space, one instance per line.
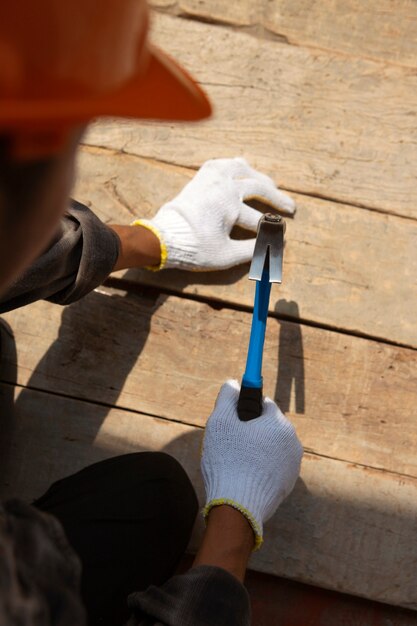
pixel 350 398
pixel 344 527
pixel 378 29
pixel 241 13
pixel 317 122
pixel 325 272
pixel 281 602
pixel 162 4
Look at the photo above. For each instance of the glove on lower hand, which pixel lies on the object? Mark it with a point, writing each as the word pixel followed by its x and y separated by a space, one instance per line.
pixel 251 466
pixel 194 228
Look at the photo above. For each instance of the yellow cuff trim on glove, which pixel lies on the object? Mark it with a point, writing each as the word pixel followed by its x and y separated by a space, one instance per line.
pixel 164 251
pixel 252 521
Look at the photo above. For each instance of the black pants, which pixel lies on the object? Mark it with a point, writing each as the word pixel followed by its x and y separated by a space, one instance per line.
pixel 129 518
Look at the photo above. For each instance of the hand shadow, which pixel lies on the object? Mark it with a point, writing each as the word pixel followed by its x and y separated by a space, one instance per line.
pixel 100 339
pixel 290 359
pixel 173 281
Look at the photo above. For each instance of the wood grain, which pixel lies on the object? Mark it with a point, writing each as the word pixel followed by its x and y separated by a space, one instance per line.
pixel 344 527
pixel 319 123
pixel 350 398
pixel 343 267
pixel 378 29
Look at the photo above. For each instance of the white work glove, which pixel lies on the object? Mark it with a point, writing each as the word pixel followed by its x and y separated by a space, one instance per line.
pixel 251 466
pixel 194 228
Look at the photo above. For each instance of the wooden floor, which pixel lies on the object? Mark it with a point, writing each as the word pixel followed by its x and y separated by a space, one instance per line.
pixel 322 96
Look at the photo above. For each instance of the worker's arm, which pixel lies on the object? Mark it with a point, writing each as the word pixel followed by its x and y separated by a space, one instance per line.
pixel 81 255
pixel 248 469
pixel 138 247
pixel 191 232
pixel 212 591
pixel 228 541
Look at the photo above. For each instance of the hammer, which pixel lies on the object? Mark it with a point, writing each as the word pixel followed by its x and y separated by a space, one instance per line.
pixel 266 268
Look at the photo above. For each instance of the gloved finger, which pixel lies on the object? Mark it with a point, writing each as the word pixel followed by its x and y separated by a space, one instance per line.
pixel 236 168
pixel 239 168
pixel 240 251
pixel 248 217
pixel 271 409
pixel 244 170
pixel 253 189
pixel 229 392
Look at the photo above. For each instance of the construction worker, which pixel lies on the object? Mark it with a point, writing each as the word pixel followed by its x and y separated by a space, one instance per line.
pixel 102 546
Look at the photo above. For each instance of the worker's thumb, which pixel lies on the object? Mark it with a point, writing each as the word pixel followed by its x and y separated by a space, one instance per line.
pixel 240 251
pixel 267 193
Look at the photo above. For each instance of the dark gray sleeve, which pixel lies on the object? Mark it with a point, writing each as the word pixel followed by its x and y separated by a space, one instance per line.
pixel 204 596
pixel 39 572
pixel 81 256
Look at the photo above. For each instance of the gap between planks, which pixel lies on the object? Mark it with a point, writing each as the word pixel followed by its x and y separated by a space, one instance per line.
pixel 186 169
pixel 337 270
pixel 259 31
pixel 154 292
pixel 295 23
pixel 171 420
pixel 170 357
pixel 340 128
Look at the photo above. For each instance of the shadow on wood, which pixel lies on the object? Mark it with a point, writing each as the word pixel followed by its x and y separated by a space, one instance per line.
pixel 181 279
pixel 100 339
pixel 290 360
pixel 334 530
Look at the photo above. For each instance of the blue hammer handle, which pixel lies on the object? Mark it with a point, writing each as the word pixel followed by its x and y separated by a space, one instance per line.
pixel 250 399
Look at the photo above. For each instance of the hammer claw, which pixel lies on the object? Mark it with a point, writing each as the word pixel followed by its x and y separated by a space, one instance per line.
pixel 269 245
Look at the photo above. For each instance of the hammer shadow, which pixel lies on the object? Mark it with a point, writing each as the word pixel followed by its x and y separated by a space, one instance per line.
pixel 290 359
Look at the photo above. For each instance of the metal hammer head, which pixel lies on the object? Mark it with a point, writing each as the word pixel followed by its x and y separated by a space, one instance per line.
pixel 269 248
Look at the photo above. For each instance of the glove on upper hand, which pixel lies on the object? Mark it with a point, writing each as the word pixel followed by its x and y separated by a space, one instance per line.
pixel 194 228
pixel 251 466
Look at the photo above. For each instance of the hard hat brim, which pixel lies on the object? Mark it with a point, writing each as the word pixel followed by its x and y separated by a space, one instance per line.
pixel 163 91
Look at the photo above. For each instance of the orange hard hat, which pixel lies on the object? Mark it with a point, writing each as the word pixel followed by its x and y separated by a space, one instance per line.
pixel 63 63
